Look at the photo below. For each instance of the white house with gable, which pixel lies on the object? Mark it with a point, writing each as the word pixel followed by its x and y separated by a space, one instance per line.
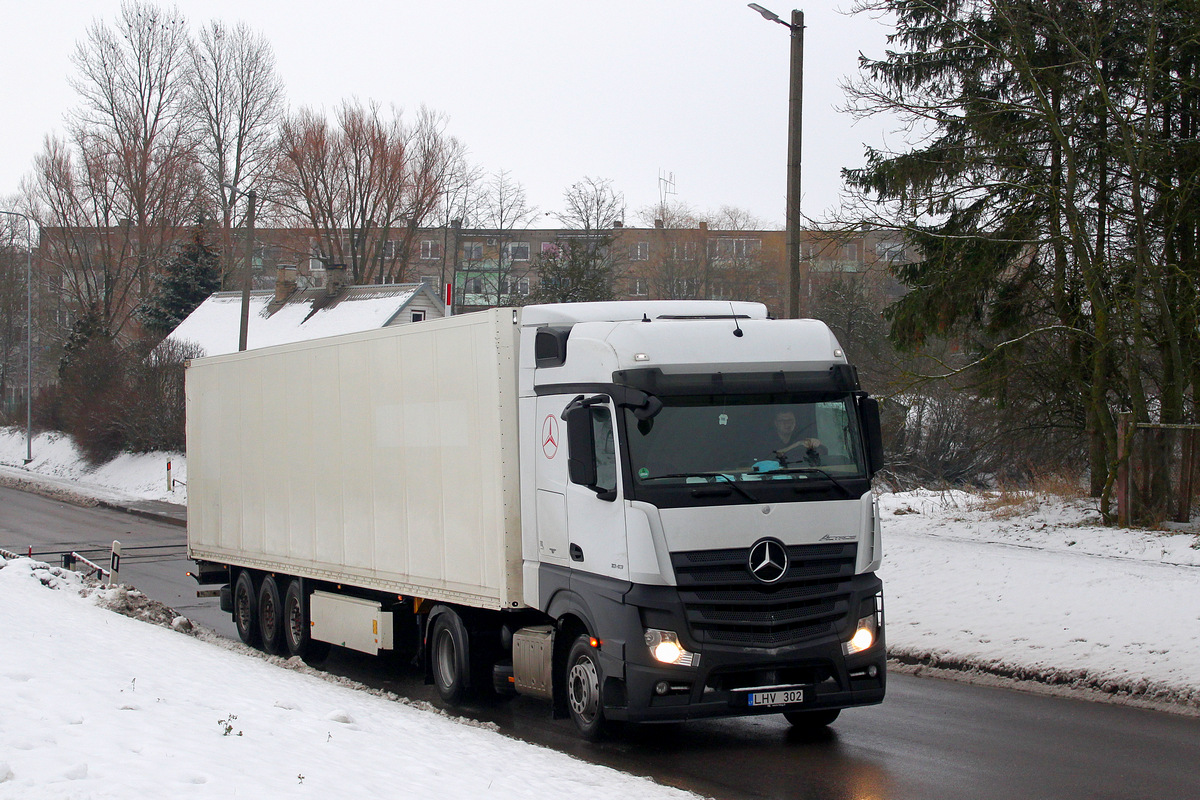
pixel 291 314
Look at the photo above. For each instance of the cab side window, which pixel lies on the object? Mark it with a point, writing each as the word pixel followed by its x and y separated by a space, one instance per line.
pixel 606 449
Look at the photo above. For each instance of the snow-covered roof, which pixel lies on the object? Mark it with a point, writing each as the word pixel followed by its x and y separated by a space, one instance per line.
pixel 306 314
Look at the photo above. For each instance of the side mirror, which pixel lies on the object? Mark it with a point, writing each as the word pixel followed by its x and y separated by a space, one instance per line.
pixel 581 444
pixel 868 415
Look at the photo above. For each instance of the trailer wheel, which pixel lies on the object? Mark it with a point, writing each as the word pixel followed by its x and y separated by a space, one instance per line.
pixel 270 616
pixel 297 632
pixel 447 653
pixel 583 682
pixel 245 608
pixel 811 720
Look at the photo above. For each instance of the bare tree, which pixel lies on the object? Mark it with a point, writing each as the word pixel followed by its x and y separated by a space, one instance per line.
pixel 117 195
pixel 438 172
pixel 593 210
pixel 592 205
pixel 710 255
pixel 505 215
pixel 236 100
pixel 365 184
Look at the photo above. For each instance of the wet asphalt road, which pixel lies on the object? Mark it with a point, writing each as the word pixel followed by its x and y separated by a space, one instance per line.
pixel 930 739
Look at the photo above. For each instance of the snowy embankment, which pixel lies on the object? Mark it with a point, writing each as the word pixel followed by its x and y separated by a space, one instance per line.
pixel 1032 587
pixel 1028 586
pixel 58 469
pixel 99 705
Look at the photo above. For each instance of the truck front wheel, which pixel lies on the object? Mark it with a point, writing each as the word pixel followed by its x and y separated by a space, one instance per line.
pixel 811 721
pixel 583 682
pixel 245 608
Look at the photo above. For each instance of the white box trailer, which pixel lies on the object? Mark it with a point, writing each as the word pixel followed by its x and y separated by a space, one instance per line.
pixel 381 459
pixel 640 511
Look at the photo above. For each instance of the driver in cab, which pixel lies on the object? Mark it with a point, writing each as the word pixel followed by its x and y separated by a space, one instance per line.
pixel 792 442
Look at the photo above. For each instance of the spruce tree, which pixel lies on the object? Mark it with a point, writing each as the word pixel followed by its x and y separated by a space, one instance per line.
pixel 1051 189
pixel 190 277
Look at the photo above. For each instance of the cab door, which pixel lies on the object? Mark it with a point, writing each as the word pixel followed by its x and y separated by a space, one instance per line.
pixel 595 507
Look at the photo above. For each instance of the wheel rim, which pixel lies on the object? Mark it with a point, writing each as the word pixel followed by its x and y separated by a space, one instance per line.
pixel 583 689
pixel 268 615
pixel 295 624
pixel 243 608
pixel 447 669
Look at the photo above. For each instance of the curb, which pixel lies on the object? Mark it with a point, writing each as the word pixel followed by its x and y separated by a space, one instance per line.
pixel 1073 683
pixel 141 512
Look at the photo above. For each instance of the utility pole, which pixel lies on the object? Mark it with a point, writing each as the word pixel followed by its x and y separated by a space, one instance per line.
pixel 247 276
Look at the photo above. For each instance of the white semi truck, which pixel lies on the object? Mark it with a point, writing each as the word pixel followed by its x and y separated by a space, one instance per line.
pixel 590 503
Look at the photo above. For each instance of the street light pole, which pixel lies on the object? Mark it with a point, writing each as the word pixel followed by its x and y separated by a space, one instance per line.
pixel 795 124
pixel 28 334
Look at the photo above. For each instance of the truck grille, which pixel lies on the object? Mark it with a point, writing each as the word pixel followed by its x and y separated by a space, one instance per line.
pixel 725 604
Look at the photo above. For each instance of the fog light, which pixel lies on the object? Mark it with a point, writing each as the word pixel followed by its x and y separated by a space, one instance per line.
pixel 661 688
pixel 665 647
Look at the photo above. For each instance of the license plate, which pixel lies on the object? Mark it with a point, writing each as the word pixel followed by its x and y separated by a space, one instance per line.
pixel 776 697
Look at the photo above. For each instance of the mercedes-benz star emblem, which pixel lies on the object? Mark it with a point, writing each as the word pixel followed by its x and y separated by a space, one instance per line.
pixel 768 560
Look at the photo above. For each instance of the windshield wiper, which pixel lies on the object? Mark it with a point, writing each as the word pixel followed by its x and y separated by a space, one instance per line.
pixel 726 481
pixel 811 470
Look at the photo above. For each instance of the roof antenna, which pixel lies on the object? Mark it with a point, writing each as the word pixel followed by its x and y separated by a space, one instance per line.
pixel 645 317
pixel 737 329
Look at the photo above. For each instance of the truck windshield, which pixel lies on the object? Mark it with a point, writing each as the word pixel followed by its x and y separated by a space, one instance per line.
pixel 720 439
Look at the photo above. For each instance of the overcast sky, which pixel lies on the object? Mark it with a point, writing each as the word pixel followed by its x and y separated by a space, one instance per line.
pixel 550 91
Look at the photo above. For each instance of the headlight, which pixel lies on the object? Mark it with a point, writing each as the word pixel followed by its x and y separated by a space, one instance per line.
pixel 665 647
pixel 866 632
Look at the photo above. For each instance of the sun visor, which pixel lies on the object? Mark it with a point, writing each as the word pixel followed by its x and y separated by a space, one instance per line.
pixel 653 380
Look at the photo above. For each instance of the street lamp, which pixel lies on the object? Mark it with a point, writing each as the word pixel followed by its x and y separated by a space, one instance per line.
pixel 795 115
pixel 251 199
pixel 28 334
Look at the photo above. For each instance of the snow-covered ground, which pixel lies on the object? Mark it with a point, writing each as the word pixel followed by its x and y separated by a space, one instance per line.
pixel 1032 586
pixel 97 705
pixel 1021 585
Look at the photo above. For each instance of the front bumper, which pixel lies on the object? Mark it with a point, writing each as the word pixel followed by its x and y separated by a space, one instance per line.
pixel 719 685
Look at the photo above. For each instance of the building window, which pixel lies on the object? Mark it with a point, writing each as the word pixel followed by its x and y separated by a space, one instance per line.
pixel 639 287
pixel 389 248
pixel 850 252
pixel 889 251
pixel 517 251
pixel 744 248
pixel 517 286
pixel 549 247
pixel 733 248
pixel 418 316
pixel 472 251
pixel 432 280
pixel 430 249
pixel 639 251
pixel 683 252
pixel 475 286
